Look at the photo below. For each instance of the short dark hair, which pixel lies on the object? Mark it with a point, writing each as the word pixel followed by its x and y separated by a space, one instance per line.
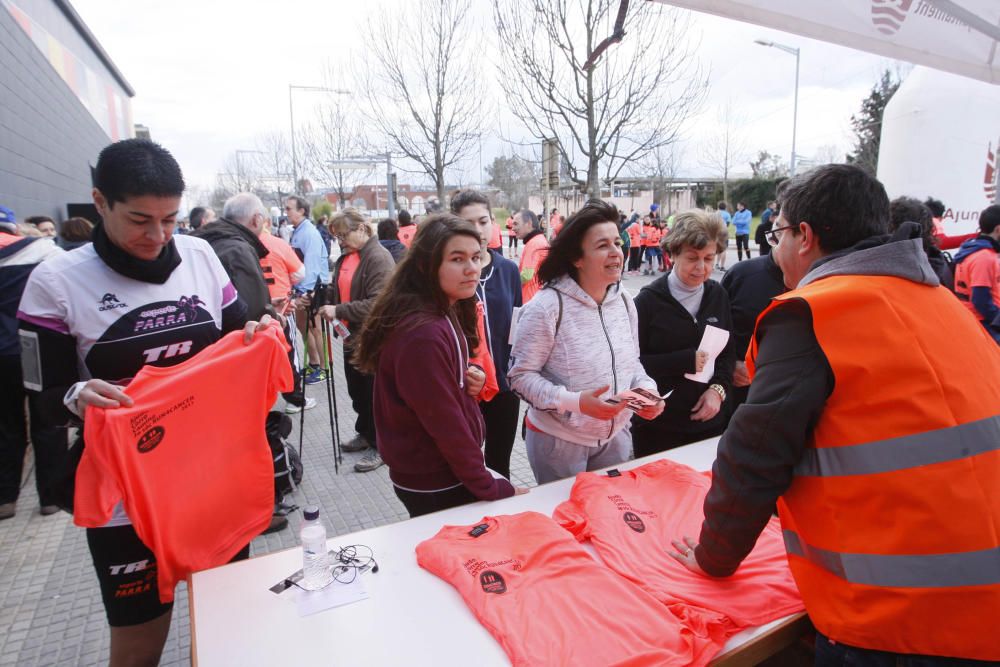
pixel 722 206
pixel 842 203
pixel 989 219
pixel 76 230
pixel 568 246
pixel 463 198
pixel 387 230
pixel 300 203
pixel 936 206
pixel 137 167
pixel 196 215
pixel 528 214
pixel 39 219
pixel 908 209
pixel 404 218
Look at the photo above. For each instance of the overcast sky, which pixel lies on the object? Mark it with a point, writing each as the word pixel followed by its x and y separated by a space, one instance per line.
pixel 211 76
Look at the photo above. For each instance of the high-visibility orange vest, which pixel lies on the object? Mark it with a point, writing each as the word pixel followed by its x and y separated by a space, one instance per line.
pixel 892 520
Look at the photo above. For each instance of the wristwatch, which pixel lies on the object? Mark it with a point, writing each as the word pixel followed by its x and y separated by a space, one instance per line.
pixel 719 389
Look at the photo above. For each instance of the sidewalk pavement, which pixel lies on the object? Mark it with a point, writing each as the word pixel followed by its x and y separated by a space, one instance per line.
pixel 50 606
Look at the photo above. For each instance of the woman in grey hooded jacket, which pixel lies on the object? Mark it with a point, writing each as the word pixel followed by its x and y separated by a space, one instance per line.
pixel 575 346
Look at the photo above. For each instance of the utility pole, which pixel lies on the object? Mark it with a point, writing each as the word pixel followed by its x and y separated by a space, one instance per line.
pixel 291 118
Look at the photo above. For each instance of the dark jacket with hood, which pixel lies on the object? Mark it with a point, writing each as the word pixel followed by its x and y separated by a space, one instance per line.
pixel 395 248
pixel 767 435
pixel 500 292
pixel 240 252
pixel 668 340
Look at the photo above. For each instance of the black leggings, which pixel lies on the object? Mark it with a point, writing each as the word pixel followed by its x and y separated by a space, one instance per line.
pixel 361 388
pixel 742 243
pixel 634 258
pixel 512 240
pixel 419 504
pixel 500 416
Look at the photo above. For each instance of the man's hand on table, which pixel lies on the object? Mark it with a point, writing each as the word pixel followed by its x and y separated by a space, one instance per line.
pixel 685 555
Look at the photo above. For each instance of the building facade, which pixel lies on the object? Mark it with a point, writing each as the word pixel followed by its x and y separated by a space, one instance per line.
pixel 61 101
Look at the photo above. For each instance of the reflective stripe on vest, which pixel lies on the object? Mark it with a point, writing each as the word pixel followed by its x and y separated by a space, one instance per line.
pixel 890 519
pixel 911 451
pixel 970 568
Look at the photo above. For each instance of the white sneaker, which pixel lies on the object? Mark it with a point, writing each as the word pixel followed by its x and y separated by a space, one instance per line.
pixel 295 409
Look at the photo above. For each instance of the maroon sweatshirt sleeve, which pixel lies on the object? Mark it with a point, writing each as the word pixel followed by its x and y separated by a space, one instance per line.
pixel 427 381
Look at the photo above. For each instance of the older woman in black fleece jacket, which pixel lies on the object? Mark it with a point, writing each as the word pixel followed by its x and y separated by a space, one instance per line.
pixel 673 313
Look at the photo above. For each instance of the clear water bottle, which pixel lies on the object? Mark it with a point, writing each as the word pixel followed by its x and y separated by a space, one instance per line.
pixel 316 572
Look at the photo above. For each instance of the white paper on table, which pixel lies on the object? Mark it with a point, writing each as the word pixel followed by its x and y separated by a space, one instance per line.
pixel 334 595
pixel 714 342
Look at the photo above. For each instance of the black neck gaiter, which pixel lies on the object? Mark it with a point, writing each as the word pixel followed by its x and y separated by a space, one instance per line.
pixel 155 271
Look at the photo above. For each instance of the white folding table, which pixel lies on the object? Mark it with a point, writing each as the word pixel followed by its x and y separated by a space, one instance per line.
pixel 410 617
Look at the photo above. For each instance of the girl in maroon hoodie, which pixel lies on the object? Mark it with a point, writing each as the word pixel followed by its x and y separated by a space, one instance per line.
pixel 416 342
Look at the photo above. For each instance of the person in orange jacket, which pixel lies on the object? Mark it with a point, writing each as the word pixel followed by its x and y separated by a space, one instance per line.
pixel 528 228
pixel 883 465
pixel 651 244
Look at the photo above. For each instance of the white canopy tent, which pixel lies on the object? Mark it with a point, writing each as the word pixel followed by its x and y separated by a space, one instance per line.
pixel 958 36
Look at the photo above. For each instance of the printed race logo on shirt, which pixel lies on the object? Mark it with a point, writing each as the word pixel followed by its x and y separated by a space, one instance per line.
pixel 632 516
pixel 492 582
pixel 633 521
pixel 150 439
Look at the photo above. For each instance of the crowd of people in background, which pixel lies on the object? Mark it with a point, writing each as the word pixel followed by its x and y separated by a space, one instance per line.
pixel 445 334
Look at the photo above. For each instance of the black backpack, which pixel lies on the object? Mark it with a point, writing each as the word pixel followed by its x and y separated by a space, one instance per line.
pixel 287 464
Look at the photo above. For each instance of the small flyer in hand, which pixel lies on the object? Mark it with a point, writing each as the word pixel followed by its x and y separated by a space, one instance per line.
pixel 637 399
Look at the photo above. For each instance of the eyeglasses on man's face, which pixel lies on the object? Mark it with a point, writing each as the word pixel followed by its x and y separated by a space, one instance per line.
pixel 772 235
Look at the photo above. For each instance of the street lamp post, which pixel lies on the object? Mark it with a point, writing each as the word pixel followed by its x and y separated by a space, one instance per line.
pixel 291 118
pixel 795 112
pixel 372 161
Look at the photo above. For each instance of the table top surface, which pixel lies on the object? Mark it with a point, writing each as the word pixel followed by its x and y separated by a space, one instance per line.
pixel 410 617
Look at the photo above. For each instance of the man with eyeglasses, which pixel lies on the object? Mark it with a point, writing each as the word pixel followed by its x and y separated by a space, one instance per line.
pixel 873 421
pixel 309 245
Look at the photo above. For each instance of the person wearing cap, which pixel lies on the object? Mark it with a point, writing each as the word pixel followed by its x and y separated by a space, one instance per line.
pixel 19 255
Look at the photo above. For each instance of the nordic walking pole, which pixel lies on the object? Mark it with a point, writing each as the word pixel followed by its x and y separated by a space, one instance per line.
pixel 330 397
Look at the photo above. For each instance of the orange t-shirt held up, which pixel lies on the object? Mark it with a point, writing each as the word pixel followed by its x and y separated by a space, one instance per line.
pixel 189 460
pixel 548 602
pixel 631 519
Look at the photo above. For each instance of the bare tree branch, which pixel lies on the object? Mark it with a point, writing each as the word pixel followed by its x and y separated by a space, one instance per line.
pixel 727 146
pixel 337 134
pixel 423 94
pixel 634 98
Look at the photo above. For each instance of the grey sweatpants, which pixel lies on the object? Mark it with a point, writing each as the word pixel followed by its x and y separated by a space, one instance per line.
pixel 552 458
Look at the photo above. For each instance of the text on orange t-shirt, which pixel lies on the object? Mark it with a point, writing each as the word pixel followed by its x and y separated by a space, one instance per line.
pixel 189 460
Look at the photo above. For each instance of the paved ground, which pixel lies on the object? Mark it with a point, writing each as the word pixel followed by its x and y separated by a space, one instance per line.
pixel 50 607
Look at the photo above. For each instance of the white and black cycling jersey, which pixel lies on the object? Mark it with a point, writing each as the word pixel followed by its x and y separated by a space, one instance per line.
pixel 119 324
